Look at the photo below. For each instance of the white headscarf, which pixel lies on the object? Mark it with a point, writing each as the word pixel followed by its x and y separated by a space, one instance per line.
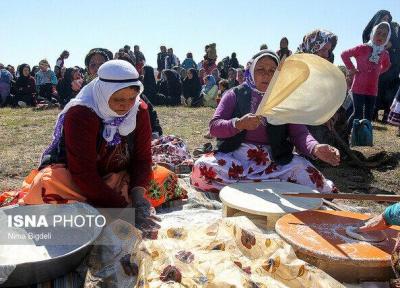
pixel 113 75
pixel 377 49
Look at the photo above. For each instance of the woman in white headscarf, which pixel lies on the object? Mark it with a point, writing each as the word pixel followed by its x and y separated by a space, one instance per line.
pixel 101 148
pixel 251 149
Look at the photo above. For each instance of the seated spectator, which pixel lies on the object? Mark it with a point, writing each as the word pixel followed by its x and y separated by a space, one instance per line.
pixel 223 86
pixel 46 82
pixel 25 87
pixel 93 60
pixel 209 92
pixel 169 89
pixel 239 76
pixel 5 85
pixel 232 75
pixel 192 88
pixel 69 86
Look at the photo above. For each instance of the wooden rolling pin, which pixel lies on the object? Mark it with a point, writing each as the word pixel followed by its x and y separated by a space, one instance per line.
pixel 374 197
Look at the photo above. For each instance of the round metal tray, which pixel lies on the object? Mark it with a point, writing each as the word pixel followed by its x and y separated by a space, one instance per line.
pixel 65 258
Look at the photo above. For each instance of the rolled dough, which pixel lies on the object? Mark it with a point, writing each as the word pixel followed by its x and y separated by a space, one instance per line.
pixel 372 236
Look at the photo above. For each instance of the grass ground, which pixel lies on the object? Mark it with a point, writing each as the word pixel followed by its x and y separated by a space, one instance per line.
pixel 24 134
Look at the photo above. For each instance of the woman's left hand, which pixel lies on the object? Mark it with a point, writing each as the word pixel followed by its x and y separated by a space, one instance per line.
pixel 327 153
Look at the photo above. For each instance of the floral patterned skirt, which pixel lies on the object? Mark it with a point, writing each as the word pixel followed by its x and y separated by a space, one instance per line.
pixel 252 163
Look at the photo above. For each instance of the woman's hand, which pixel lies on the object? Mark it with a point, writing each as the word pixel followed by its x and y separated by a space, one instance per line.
pixel 327 153
pixel 374 224
pixel 248 122
pixel 353 71
pixel 145 214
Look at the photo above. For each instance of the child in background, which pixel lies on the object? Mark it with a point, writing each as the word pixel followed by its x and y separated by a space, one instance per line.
pixel 372 60
pixel 223 86
pixel 189 62
pixel 46 82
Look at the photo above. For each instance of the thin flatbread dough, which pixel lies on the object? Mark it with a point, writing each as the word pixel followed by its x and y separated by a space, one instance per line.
pixel 372 236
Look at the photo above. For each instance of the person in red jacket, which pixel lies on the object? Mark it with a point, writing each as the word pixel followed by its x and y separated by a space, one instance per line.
pixel 372 60
pixel 101 148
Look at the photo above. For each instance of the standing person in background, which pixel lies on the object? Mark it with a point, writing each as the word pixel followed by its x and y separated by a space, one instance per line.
pixel 171 60
pixel 234 63
pixel 5 85
pixel 161 60
pixel 189 63
pixel 389 81
pixel 46 82
pixel 60 63
pixel 208 65
pixel 25 87
pixel 284 48
pixel 224 66
pixel 127 49
pixel 140 59
pixel 372 60
pixel 93 60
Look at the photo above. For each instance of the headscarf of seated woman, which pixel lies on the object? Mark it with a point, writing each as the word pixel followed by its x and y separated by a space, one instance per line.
pixel 105 53
pixel 192 87
pixel 114 75
pixel 149 82
pixel 22 80
pixel 249 72
pixel 316 40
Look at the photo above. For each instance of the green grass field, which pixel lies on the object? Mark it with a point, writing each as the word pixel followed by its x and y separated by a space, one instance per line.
pixel 25 133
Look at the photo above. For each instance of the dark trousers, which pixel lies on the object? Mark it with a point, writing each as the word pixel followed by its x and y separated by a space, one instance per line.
pixel 364 106
pixel 46 92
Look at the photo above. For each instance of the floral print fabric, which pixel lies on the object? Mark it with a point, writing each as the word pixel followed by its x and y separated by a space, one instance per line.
pixel 230 252
pixel 252 163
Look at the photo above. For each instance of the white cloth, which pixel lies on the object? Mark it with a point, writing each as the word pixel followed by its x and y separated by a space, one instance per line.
pixel 97 93
pixel 377 49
